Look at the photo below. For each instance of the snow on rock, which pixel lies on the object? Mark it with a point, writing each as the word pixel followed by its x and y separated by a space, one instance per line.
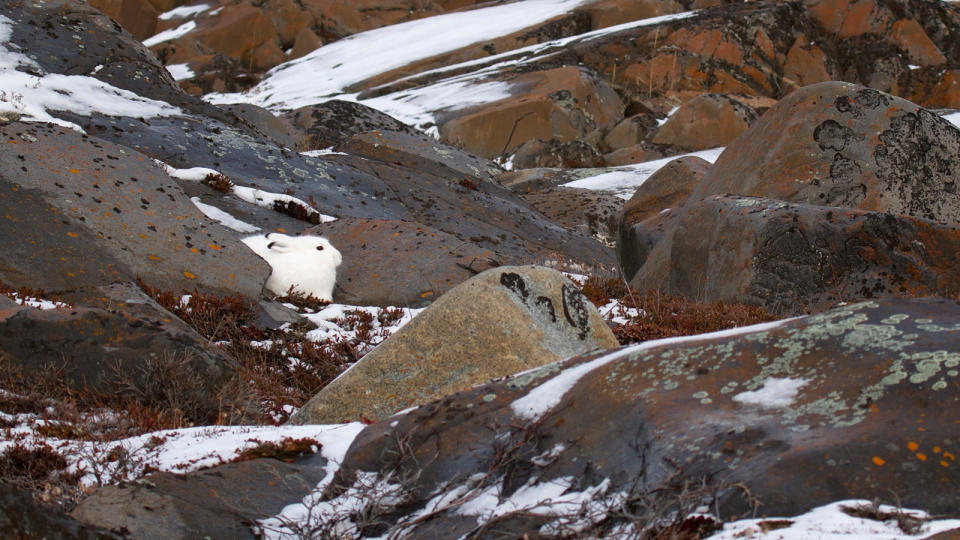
pixel 180 72
pixel 183 12
pixel 775 393
pixel 624 181
pixel 329 326
pixel 223 218
pixel 38 303
pixel 32 96
pixel 548 395
pixel 830 522
pixel 191 174
pixel 171 34
pixel 267 199
pixel 332 69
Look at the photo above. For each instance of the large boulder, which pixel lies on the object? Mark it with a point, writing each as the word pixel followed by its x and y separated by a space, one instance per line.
pixel 854 403
pixel 591 213
pixel 22 517
pixel 81 211
pixel 794 258
pixel 648 213
pixel 503 321
pixel 333 122
pixel 706 121
pixel 400 263
pixel 840 144
pixel 222 502
pixel 127 343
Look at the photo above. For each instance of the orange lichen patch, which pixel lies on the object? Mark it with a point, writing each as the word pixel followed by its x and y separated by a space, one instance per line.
pixel 936 449
pixel 74 171
pixel 141 235
pixel 72 234
pixel 189 275
pixel 878 461
pixel 195 250
pixel 944 464
pixel 913 446
pixel 921 456
pixel 215 247
pixel 948 455
pixel 154 258
pixel 281 230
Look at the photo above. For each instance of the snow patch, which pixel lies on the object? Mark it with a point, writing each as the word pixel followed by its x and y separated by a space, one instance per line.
pixel 183 12
pixel 171 34
pixel 775 393
pixel 180 72
pixel 267 199
pixel 624 181
pixel 223 218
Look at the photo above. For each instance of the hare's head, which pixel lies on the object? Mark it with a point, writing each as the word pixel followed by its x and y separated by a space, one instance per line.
pixel 315 249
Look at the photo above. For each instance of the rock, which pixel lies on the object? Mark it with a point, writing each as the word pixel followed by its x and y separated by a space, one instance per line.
pixel 863 410
pixel 400 263
pixel 554 153
pixel 590 213
pixel 22 517
pixel 221 502
pixel 333 122
pixel 631 131
pixel 795 258
pixel 417 151
pixel 83 211
pixel 129 345
pixel 706 121
pixel 502 321
pixel 138 18
pixel 646 215
pixel 276 128
pixel 637 153
pixel 563 103
pixel 840 144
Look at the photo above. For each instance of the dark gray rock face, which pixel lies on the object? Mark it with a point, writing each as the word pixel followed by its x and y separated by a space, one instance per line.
pixel 645 420
pixel 21 517
pixel 792 258
pixel 331 123
pixel 222 502
pixel 102 212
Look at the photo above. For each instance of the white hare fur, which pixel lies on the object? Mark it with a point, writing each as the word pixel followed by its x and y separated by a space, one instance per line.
pixel 306 263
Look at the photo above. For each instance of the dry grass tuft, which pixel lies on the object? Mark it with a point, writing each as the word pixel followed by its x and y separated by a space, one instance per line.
pixel 219 182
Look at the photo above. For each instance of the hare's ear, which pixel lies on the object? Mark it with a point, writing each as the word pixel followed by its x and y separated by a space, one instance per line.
pixel 279 246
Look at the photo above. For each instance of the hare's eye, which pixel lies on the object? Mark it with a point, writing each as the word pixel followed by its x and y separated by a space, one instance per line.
pixel 319 248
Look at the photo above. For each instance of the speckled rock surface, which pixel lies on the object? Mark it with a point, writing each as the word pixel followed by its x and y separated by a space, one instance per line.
pixel 333 122
pixel 503 321
pixel 220 502
pixel 400 263
pixel 840 144
pixel 116 214
pixel 796 258
pixel 591 213
pixel 869 411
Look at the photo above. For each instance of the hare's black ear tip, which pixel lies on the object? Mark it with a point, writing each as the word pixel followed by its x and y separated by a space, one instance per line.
pixel 270 245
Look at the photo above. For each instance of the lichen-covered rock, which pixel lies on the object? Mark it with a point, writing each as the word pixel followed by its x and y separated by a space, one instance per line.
pixel 793 258
pixel 553 153
pixel 216 503
pixel 333 122
pixel 650 210
pixel 100 212
pixel 503 321
pixel 591 213
pixel 854 403
pixel 839 144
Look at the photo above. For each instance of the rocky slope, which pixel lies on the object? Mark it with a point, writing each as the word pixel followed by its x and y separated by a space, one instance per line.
pixel 438 167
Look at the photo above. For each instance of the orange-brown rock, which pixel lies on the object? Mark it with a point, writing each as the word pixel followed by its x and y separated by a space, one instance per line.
pixel 563 103
pixel 839 144
pixel 909 35
pixel 707 121
pixel 630 131
pixel 136 16
pixel 637 153
pixel 806 64
pixel 220 33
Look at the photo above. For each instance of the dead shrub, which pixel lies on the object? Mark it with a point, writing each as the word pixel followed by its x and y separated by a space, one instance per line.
pixel 297 211
pixel 219 182
pixel 288 449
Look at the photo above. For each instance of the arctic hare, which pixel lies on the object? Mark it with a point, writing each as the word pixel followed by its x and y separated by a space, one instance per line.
pixel 306 263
